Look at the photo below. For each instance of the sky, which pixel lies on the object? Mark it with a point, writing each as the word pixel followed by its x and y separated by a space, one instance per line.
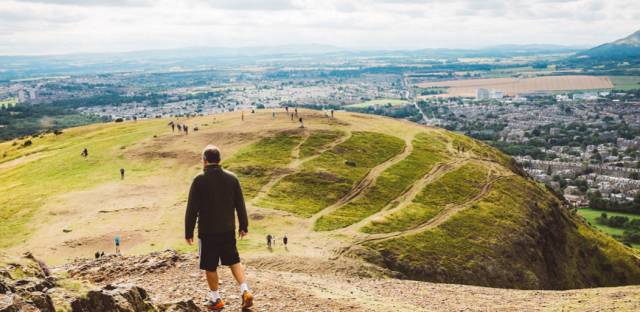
pixel 78 26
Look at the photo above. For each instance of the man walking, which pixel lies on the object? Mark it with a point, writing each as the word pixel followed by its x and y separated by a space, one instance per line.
pixel 121 173
pixel 214 199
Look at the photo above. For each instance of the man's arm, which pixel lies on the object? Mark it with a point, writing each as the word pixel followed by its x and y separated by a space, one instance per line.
pixel 193 208
pixel 241 209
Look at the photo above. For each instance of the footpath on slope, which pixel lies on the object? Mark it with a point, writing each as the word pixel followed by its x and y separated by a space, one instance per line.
pixel 170 277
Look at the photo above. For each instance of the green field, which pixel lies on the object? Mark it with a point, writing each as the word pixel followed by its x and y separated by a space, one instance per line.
pixel 324 180
pixel 390 184
pixel 26 188
pixel 625 82
pixel 257 163
pixel 453 188
pixel 8 102
pixel 592 214
pixel 393 102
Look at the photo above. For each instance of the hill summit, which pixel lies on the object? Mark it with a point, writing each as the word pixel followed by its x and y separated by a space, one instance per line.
pixel 622 49
pixel 357 193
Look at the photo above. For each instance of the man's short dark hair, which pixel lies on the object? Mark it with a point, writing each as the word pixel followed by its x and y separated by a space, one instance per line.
pixel 211 154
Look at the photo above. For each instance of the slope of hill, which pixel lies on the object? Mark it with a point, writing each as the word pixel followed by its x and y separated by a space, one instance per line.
pixel 627 48
pixel 417 202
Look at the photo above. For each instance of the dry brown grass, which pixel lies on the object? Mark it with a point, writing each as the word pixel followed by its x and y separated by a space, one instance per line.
pixel 514 86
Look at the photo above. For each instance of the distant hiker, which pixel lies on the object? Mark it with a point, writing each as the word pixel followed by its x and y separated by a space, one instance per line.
pixel 273 114
pixel 301 123
pixel 286 109
pixel 296 110
pixel 97 255
pixel 179 128
pixel 214 198
pixel 186 129
pixel 291 116
pixel 285 240
pixel 121 173
pixel 269 238
pixel 85 153
pixel 173 126
pixel 116 240
pixel 332 114
pixel 253 111
pixel 242 116
pixel 101 254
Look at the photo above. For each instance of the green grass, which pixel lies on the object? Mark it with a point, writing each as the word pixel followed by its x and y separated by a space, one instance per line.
pixel 256 164
pixel 591 215
pixel 393 102
pixel 327 178
pixel 317 141
pixel 453 188
pixel 8 102
pixel 427 152
pixel 625 82
pixel 471 234
pixel 25 189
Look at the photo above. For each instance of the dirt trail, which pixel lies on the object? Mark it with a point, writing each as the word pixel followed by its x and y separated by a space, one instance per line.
pixel 369 179
pixel 317 291
pixel 444 215
pixel 407 196
pixel 296 163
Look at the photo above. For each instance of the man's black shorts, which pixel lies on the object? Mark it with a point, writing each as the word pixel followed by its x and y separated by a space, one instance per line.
pixel 218 248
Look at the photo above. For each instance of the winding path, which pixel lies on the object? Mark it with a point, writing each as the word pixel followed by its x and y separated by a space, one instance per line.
pixel 296 163
pixel 366 182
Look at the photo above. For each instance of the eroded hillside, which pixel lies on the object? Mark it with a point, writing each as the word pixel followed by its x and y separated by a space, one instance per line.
pixel 422 202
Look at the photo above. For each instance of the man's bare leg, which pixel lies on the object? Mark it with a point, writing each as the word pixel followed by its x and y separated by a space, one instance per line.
pixel 212 280
pixel 238 272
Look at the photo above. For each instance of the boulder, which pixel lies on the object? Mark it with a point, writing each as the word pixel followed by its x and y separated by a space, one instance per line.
pixel 180 306
pixel 114 298
pixel 39 300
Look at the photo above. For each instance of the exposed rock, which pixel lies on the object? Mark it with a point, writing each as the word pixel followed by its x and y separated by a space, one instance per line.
pixel 40 300
pixel 181 306
pixel 31 284
pixel 116 298
pixel 5 286
pixel 108 267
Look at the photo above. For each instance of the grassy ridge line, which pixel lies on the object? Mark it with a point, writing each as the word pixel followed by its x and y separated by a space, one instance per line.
pixel 453 188
pixel 427 152
pixel 327 178
pixel 456 244
pixel 26 187
pixel 257 163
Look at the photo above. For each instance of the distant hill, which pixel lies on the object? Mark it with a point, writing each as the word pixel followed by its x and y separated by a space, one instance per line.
pixel 627 48
pixel 417 202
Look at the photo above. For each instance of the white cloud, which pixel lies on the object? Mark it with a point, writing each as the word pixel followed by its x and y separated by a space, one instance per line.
pixel 66 26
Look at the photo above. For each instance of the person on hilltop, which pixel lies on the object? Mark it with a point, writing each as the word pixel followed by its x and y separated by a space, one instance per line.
pixel 85 153
pixel 117 241
pixel 296 111
pixel 285 240
pixel 179 128
pixel 214 199
pixel 332 114
pixel 269 238
pixel 121 173
pixel 301 123
pixel 186 129
pixel 173 126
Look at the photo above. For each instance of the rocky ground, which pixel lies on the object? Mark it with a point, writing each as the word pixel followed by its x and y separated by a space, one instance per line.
pixel 170 281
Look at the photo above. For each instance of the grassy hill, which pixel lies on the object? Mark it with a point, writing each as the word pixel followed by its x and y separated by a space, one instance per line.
pixel 422 202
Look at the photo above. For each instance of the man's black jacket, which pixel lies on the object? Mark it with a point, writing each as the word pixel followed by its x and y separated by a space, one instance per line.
pixel 214 196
